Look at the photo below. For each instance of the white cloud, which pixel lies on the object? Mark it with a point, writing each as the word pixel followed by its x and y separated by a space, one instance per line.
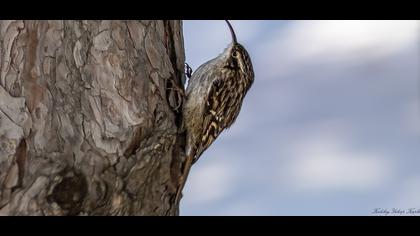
pixel 323 41
pixel 247 30
pixel 411 118
pixel 245 207
pixel 322 161
pixel 208 183
pixel 353 35
pixel 408 195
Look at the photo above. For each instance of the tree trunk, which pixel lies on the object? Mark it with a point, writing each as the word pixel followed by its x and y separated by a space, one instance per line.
pixel 90 117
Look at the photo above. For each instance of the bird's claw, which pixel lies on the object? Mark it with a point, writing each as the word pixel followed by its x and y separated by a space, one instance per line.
pixel 188 70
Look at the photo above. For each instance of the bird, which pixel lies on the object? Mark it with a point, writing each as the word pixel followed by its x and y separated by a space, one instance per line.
pixel 214 97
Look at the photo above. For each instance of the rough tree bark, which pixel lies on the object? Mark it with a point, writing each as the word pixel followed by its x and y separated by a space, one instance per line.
pixel 90 120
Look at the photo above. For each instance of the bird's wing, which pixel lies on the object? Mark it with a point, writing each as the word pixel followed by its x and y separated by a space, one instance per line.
pixel 213 123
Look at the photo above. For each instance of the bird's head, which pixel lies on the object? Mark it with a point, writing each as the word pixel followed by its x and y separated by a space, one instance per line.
pixel 237 57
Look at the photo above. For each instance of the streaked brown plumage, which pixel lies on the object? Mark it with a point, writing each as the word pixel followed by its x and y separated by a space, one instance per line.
pixel 214 98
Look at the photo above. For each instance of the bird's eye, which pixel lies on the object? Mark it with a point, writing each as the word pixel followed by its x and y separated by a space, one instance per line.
pixel 235 53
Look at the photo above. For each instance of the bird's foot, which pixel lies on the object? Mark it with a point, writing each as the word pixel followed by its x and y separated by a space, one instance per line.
pixel 188 70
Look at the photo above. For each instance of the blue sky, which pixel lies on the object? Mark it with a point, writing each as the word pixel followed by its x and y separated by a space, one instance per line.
pixel 331 125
